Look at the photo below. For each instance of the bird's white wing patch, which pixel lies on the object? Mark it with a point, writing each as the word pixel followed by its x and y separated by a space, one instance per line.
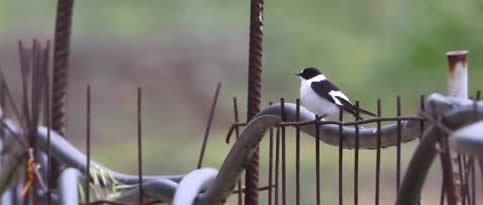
pixel 340 94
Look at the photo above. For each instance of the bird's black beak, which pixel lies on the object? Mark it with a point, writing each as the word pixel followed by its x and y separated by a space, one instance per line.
pixel 297 74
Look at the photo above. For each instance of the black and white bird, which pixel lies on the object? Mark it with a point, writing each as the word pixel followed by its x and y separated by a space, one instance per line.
pixel 322 97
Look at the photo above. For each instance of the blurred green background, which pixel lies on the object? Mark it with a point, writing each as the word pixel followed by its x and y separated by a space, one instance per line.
pixel 178 50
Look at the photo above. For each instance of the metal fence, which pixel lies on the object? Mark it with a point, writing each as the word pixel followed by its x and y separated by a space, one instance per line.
pixel 25 142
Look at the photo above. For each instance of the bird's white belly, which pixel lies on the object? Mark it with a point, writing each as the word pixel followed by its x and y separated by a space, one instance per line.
pixel 315 103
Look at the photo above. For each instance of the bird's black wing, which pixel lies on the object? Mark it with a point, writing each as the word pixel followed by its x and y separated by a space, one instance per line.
pixel 322 88
pixel 329 91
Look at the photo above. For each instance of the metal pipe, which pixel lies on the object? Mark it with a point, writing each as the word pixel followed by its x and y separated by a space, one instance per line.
pixel 457 87
pixel 192 184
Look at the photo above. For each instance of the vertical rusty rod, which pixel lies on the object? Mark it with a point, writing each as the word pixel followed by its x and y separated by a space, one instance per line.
pixel 356 158
pixel 49 151
pixel 255 54
pixel 398 148
pixel 317 161
pixel 208 125
pixel 140 146
pixel 284 159
pixel 62 37
pixel 473 181
pixel 378 152
pixel 270 166
pixel 341 157
pixel 297 154
pixel 60 79
pixel 457 87
pixel 237 134
pixel 277 162
pixel 88 141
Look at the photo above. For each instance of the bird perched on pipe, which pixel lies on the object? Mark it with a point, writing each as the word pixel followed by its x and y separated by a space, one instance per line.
pixel 322 97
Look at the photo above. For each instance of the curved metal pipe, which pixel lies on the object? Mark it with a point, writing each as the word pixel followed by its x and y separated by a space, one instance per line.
pixel 425 152
pixel 329 133
pixel 192 184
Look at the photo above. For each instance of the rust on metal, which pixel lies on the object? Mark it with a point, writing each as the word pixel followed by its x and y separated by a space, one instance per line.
pixel 317 162
pixel 455 57
pixel 255 54
pixel 63 26
pixel 277 162
pixel 237 133
pixel 356 157
pixel 140 145
pixel 341 159
pixel 378 152
pixel 284 168
pixel 458 73
pixel 208 125
pixel 88 141
pixel 398 147
pixel 297 153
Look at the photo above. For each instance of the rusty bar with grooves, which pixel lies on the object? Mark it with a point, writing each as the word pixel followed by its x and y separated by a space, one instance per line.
pixel 356 158
pixel 60 78
pixel 88 140
pixel 63 26
pixel 341 157
pixel 398 148
pixel 277 162
pixel 237 133
pixel 255 54
pixel 140 145
pixel 317 161
pixel 284 159
pixel 378 152
pixel 270 165
pixel 297 153
pixel 208 125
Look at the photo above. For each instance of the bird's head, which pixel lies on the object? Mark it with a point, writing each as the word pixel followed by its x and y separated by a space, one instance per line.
pixel 308 73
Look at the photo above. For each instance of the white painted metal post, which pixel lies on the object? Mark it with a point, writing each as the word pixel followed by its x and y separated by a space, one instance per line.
pixel 457 87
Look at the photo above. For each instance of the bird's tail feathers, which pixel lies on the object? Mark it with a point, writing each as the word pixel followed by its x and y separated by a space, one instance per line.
pixel 367 112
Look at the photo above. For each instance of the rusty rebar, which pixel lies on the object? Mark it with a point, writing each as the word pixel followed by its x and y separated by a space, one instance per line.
pixel 63 25
pixel 140 144
pixel 284 159
pixel 88 141
pixel 277 162
pixel 356 158
pixel 378 152
pixel 255 54
pixel 208 125
pixel 297 154
pixel 317 162
pixel 341 158
pixel 398 147
pixel 60 78
pixel 270 166
pixel 237 133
